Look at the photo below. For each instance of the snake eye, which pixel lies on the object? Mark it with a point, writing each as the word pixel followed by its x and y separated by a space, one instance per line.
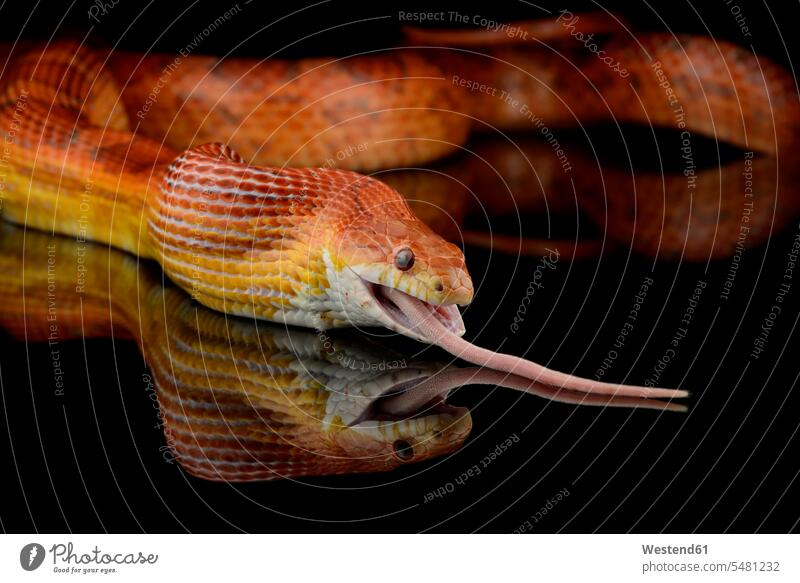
pixel 403 450
pixel 404 259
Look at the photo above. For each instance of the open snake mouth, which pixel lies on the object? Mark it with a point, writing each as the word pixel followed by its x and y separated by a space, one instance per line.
pixel 448 316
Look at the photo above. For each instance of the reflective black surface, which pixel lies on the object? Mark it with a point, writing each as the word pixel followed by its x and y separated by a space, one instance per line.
pixel 705 310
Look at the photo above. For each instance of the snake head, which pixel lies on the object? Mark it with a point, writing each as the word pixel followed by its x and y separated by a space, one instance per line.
pixel 380 244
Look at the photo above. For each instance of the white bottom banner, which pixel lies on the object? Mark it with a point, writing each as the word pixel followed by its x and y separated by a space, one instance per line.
pixel 389 558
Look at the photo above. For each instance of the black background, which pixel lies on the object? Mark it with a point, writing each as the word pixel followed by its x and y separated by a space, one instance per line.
pixel 92 462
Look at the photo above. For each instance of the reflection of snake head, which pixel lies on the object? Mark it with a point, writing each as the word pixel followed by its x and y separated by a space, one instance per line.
pixel 290 403
pixel 311 414
pixel 246 402
pixel 382 439
pixel 392 443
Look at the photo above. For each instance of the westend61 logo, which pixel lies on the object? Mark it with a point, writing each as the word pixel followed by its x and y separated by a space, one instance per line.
pixel 31 556
pixel 66 560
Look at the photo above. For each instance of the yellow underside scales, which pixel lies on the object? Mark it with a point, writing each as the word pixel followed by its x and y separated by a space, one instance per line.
pixel 98 219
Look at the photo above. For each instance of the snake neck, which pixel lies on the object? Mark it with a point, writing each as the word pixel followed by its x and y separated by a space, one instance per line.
pixel 246 240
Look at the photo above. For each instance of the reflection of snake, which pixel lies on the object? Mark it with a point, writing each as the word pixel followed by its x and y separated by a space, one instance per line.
pixel 312 247
pixel 242 401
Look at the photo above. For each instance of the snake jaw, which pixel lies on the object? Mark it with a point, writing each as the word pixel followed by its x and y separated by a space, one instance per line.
pixel 360 301
pixel 395 319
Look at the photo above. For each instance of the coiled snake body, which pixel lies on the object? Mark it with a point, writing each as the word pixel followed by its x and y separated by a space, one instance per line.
pixel 412 105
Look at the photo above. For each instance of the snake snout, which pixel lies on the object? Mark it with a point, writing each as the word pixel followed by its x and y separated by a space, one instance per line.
pixel 453 287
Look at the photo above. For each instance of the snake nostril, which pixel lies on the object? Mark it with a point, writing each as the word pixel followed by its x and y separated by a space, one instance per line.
pixel 439 286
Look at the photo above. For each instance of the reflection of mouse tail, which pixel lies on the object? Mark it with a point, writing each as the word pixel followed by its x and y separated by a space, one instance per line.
pixel 437 387
pixel 525 246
